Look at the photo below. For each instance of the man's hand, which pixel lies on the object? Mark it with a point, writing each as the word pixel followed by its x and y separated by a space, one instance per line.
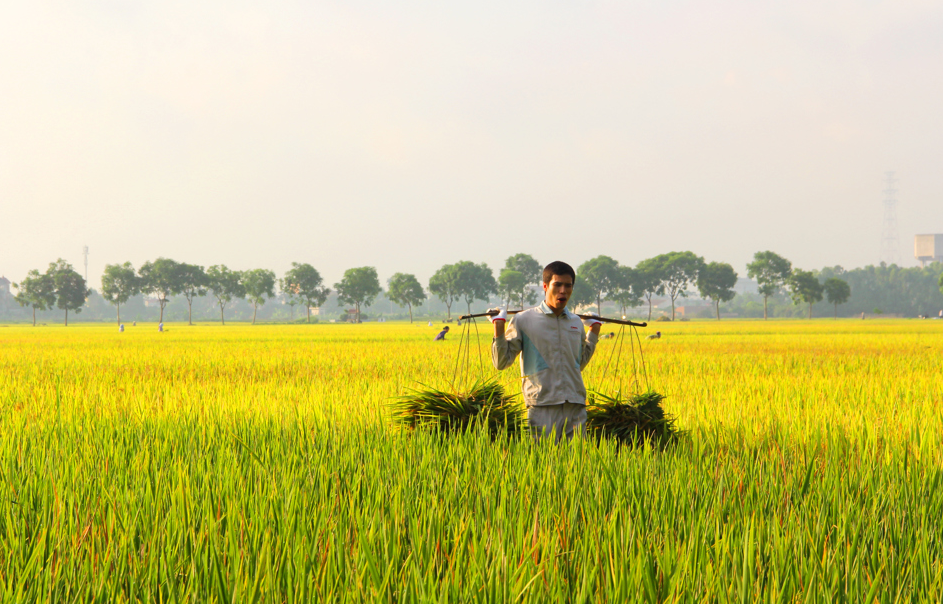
pixel 593 324
pixel 502 314
pixel 499 321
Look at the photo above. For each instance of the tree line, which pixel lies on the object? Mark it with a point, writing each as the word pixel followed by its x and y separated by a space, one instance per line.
pixel 601 279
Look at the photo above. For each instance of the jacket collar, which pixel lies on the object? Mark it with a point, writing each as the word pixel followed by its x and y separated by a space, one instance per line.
pixel 548 311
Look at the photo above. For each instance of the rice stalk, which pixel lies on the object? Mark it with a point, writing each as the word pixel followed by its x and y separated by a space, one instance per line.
pixel 631 421
pixel 484 403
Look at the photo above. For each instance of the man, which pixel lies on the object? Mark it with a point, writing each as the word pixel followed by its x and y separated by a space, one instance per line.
pixel 654 336
pixel 554 349
pixel 441 334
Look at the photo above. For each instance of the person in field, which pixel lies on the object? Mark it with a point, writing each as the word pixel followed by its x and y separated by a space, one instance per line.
pixel 441 334
pixel 654 336
pixel 554 349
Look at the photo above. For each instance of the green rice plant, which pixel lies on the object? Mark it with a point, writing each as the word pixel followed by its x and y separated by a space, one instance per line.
pixel 484 403
pixel 630 421
pixel 257 464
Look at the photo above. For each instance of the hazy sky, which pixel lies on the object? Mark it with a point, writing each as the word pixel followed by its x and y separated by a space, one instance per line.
pixel 405 135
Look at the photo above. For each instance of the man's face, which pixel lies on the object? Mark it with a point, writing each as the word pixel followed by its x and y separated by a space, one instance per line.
pixel 558 291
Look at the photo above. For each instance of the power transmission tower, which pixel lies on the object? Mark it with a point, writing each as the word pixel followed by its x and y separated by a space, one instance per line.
pixel 890 242
pixel 85 253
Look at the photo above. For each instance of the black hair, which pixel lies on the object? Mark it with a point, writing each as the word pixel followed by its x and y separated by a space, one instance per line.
pixel 558 268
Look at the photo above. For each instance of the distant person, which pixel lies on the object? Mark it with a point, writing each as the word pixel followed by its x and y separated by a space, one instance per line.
pixel 441 334
pixel 134 324
pixel 160 326
pixel 121 328
pixel 430 323
pixel 654 336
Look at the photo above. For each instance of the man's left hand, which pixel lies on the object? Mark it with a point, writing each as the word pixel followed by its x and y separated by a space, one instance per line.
pixel 592 323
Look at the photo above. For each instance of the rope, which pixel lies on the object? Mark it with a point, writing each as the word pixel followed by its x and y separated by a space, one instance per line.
pixel 462 366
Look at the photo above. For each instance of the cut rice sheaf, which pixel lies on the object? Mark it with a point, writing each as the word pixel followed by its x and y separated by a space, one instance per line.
pixel 483 403
pixel 633 420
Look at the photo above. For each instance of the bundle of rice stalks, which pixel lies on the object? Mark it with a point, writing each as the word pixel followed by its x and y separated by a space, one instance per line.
pixel 485 403
pixel 632 420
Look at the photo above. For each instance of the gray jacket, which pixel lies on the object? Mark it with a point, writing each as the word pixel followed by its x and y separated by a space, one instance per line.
pixel 554 350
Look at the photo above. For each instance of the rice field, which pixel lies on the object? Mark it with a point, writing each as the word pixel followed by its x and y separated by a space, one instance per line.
pixel 258 464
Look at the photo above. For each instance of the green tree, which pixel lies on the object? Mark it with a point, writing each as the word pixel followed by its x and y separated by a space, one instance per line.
pixel 444 285
pixel 119 284
pixel 405 290
pixel 837 292
pixel 530 270
pixel 291 296
pixel 716 282
pixel 474 282
pixel 304 282
pixel 192 282
pixel 358 287
pixel 648 279
pixel 678 270
pixel 597 278
pixel 510 285
pixel 771 272
pixel 69 286
pixel 161 278
pixel 804 286
pixel 37 290
pixel 628 291
pixel 258 283
pixel 225 285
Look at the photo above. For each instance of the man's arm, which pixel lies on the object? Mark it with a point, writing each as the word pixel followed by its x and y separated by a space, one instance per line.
pixel 506 345
pixel 589 342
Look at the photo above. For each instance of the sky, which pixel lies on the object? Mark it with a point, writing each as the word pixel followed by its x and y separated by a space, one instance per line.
pixel 407 135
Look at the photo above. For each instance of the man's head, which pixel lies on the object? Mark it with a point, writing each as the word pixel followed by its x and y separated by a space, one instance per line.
pixel 446 328
pixel 558 281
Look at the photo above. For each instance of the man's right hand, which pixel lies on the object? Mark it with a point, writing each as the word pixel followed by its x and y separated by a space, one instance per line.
pixel 501 314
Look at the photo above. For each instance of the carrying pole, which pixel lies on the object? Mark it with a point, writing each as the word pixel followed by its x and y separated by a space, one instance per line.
pixel 592 317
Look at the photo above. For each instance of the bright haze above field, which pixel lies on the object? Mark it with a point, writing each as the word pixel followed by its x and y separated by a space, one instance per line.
pixel 407 135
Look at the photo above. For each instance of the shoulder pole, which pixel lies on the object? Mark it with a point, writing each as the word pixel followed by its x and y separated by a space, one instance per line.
pixel 603 319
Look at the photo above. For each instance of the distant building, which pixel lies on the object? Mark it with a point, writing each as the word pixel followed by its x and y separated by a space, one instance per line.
pixel 928 248
pixel 746 286
pixel 4 285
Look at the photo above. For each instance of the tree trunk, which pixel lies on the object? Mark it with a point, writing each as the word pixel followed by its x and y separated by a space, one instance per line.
pixel 672 308
pixel 162 302
pixel 449 309
pixel 190 311
pixel 649 308
pixel 67 317
pixel 222 317
pixel 410 312
pixel 119 312
pixel 765 298
pixel 308 308
pixel 810 309
pixel 255 309
pixel 34 316
pixel 599 305
pixel 717 303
